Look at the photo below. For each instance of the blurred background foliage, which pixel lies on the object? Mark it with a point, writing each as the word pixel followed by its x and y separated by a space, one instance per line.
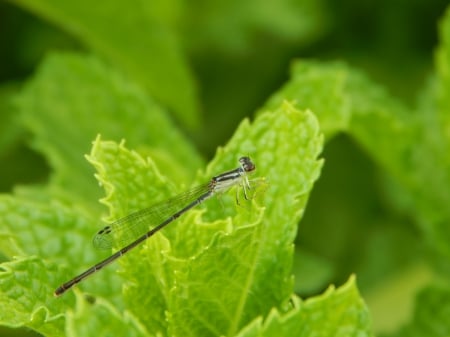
pixel 225 59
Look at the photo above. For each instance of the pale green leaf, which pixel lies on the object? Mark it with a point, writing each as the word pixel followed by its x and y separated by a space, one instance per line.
pixel 53 231
pixel 338 312
pixel 26 296
pixel 321 88
pixel 132 183
pixel 103 318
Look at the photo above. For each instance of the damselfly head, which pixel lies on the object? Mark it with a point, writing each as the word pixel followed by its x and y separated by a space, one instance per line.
pixel 247 164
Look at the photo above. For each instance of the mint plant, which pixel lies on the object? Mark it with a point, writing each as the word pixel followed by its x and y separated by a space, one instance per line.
pixel 212 277
pixel 101 120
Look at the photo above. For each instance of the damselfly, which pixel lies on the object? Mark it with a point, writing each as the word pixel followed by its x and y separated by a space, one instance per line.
pixel 134 228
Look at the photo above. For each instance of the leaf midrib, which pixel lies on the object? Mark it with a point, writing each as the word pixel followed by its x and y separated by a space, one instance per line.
pixel 251 275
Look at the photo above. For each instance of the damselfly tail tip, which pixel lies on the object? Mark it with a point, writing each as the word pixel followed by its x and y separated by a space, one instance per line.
pixel 58 292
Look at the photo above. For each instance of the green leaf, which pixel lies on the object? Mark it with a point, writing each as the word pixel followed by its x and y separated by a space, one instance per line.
pixel 42 229
pixel 26 296
pixel 73 98
pixel 337 312
pixel 103 318
pixel 246 272
pixel 132 183
pixel 193 257
pixel 344 99
pixel 124 173
pixel 321 88
pixel 135 37
pixel 53 231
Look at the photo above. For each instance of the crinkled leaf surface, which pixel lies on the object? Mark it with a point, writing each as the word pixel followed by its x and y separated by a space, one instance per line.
pixel 100 316
pixel 134 37
pixel 337 312
pixel 26 299
pixel 43 229
pixel 133 183
pixel 53 231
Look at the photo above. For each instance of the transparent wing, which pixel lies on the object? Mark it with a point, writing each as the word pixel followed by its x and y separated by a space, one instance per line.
pixel 127 229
